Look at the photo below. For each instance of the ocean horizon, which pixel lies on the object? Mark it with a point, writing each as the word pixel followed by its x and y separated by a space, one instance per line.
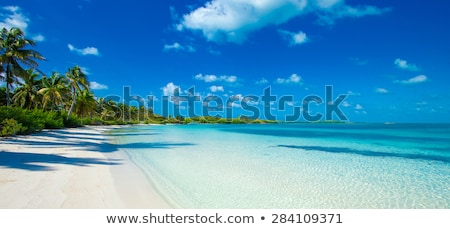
pixel 301 166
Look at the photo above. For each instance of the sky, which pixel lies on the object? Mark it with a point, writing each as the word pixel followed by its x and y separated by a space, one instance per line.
pixel 391 58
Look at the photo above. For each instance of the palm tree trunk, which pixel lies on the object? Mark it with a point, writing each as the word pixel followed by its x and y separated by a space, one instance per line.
pixel 8 79
pixel 74 97
pixel 7 95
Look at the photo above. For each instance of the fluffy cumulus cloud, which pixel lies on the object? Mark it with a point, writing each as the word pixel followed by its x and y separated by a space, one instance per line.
pixel 415 80
pixel 294 38
pixel 85 51
pixel 358 107
pixel 216 89
pixel 234 20
pixel 178 47
pixel 403 64
pixel 13 16
pixel 214 78
pixel 97 86
pixel 169 89
pixel 293 79
pixel 381 90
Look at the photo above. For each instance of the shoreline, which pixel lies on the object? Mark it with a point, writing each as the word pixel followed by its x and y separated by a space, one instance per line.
pixel 72 169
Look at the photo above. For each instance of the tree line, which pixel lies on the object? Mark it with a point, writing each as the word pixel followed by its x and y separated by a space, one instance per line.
pixel 66 96
pixel 31 100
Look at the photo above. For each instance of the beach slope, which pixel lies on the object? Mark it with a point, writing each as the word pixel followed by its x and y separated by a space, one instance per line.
pixel 71 168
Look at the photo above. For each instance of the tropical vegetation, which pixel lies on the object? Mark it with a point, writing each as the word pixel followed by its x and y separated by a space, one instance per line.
pixel 32 100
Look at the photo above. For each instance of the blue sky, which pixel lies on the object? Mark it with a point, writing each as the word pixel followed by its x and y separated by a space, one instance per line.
pixel 391 57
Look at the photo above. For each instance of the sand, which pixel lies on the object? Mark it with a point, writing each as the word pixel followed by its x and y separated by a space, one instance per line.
pixel 71 169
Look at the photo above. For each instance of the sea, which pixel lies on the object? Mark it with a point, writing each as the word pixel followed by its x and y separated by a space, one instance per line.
pixel 294 166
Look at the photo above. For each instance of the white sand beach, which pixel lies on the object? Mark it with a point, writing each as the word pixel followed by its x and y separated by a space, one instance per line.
pixel 71 168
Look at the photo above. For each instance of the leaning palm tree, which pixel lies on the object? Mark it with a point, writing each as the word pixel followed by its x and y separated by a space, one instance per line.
pixel 77 82
pixel 53 91
pixel 26 95
pixel 14 55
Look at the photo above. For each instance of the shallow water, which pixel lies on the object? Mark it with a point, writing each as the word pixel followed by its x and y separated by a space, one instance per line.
pixel 295 165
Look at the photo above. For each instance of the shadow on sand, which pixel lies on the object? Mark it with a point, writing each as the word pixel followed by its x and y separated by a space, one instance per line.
pixel 37 161
pixel 73 140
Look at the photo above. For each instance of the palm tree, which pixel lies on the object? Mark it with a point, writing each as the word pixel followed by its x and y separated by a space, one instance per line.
pixel 14 53
pixel 77 82
pixel 85 104
pixel 27 94
pixel 108 110
pixel 53 91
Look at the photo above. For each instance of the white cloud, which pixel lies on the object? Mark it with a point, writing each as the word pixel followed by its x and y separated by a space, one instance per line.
pixel 233 21
pixel 38 38
pixel 214 78
pixel 206 78
pixel 346 104
pixel 325 4
pixel 262 81
pixel 344 11
pixel 293 79
pixel 216 88
pixel 86 51
pixel 414 80
pixel 169 89
pixel 177 47
pixel 229 79
pixel 12 9
pixel 13 18
pixel 403 64
pixel 358 107
pixel 85 70
pixel 381 90
pixel 97 86
pixel 352 93
pixel 294 38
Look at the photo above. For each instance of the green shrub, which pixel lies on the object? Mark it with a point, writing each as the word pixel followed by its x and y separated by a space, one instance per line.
pixel 93 121
pixel 224 121
pixel 32 120
pixel 10 127
pixel 187 120
pixel 134 122
pixel 71 122
pixel 237 121
pixel 53 120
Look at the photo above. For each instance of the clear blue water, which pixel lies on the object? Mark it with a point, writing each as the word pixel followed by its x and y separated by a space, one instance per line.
pixel 295 165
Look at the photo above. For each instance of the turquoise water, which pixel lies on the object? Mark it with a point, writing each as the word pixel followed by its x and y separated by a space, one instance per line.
pixel 295 165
